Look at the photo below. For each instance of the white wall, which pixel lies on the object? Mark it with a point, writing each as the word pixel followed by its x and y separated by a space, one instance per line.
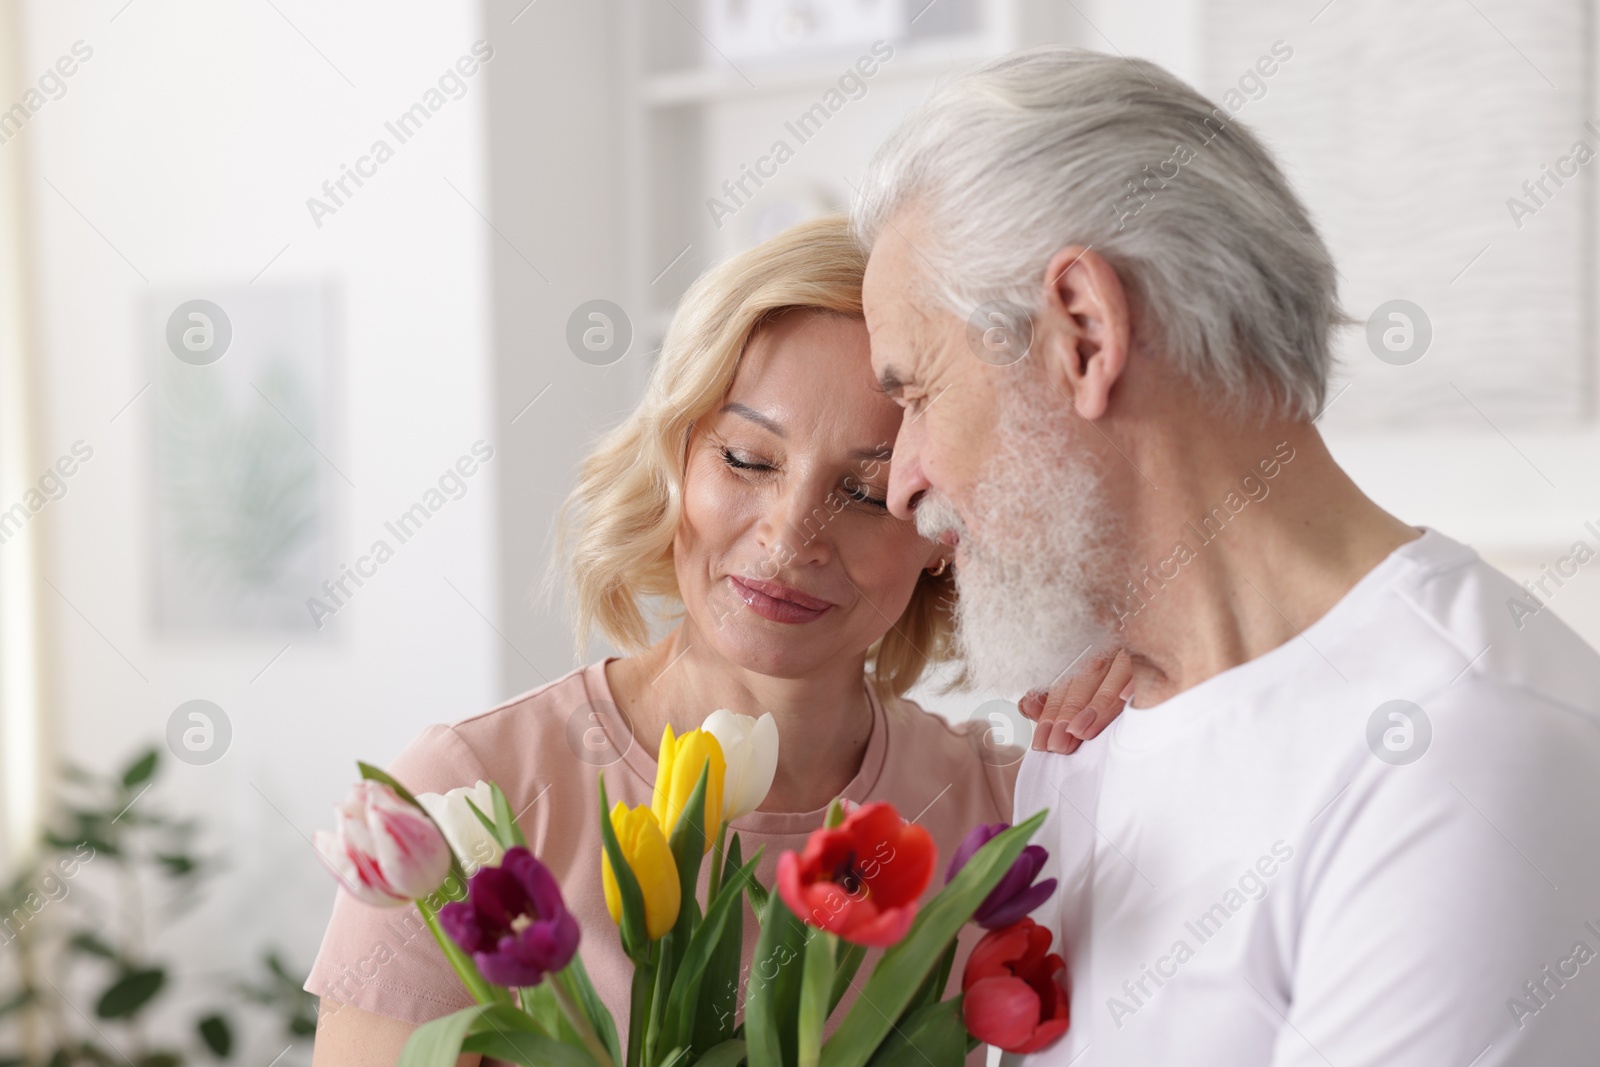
pixel 187 147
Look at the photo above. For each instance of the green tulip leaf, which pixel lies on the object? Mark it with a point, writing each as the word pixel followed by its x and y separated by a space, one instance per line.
pixel 772 997
pixel 575 980
pixel 715 1019
pixel 378 774
pixel 635 939
pixel 678 1024
pixel 504 816
pixel 933 1035
pixel 727 1054
pixel 850 958
pixel 496 1029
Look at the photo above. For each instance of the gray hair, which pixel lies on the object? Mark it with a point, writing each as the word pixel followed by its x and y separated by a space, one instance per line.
pixel 1055 146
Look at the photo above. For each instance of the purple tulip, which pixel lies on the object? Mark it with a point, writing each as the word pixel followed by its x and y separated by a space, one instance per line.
pixel 1016 894
pixel 513 922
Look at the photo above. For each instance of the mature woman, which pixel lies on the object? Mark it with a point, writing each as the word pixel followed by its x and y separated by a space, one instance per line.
pixel 746 493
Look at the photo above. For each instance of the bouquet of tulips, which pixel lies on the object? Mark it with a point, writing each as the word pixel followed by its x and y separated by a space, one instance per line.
pixel 498 914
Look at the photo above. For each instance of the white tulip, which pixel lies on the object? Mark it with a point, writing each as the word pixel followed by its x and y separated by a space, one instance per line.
pixel 474 845
pixel 750 747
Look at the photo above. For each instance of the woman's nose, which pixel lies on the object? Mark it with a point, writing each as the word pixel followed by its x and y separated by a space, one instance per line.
pixel 796 526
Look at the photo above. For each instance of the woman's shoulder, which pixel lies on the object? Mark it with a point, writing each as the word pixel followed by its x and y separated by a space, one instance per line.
pixel 524 737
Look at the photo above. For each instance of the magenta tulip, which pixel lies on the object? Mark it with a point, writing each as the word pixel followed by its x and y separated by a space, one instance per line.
pixel 513 923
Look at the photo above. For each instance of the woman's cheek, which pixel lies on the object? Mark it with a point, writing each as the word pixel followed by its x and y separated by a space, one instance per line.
pixel 892 562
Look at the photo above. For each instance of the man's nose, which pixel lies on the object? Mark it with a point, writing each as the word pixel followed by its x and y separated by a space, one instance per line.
pixel 906 480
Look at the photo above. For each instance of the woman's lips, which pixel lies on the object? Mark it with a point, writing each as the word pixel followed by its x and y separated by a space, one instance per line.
pixel 778 602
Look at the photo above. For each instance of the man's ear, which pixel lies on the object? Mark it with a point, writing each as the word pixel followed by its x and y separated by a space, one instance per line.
pixel 1085 327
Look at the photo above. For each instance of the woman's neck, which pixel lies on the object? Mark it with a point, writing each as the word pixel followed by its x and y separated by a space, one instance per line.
pixel 824 719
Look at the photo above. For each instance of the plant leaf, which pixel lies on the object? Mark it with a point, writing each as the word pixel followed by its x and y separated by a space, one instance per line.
pixel 87 941
pixel 576 980
pixel 816 982
pixel 217 1034
pixel 504 816
pixel 635 941
pixel 140 770
pixel 903 968
pixel 438 1043
pixel 932 987
pixel 21 1000
pixel 688 844
pixel 933 1035
pixel 130 992
pixel 727 1054
pixel 678 1024
pixel 716 1019
pixel 849 963
pixel 528 1049
pixel 500 836
pixel 378 774
pixel 771 999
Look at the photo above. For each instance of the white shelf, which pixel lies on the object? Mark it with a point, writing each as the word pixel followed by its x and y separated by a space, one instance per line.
pixel 913 59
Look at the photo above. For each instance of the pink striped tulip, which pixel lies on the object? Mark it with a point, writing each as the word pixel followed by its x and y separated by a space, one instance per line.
pixel 384 851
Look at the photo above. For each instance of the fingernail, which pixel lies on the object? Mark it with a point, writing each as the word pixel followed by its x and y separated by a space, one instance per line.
pixel 1080 725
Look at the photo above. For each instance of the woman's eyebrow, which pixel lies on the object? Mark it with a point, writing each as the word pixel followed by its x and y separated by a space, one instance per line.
pixel 754 416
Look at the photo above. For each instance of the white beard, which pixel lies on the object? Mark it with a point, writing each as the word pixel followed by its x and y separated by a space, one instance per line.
pixel 1035 553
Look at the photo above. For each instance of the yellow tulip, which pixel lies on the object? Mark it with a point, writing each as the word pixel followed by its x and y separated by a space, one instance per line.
pixel 645 849
pixel 678 769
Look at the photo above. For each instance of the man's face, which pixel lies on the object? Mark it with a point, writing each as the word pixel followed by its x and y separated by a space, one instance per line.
pixel 990 458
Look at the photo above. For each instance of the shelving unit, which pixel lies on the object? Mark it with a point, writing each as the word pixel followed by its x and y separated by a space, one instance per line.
pixel 693 116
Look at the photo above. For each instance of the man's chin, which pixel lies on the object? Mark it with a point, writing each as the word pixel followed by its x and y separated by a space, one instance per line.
pixel 1013 670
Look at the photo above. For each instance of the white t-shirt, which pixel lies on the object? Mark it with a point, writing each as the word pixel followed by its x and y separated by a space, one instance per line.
pixel 1280 866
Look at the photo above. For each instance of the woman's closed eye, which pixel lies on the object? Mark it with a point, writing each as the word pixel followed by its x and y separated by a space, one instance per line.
pixel 861 494
pixel 745 463
pixel 852 490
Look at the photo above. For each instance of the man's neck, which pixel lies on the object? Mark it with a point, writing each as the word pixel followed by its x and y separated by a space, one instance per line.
pixel 1249 539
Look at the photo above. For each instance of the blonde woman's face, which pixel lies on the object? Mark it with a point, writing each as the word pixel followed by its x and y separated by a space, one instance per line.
pixel 787 557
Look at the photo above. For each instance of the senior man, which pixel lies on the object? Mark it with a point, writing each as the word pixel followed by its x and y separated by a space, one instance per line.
pixel 1351 815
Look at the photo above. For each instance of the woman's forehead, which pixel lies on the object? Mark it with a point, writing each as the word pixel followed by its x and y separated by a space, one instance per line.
pixel 815 378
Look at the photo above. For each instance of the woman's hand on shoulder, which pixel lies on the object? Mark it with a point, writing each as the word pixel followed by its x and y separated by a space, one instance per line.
pixel 1079 707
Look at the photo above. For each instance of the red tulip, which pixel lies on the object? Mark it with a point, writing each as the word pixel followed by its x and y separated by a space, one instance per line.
pixel 860 879
pixel 1014 997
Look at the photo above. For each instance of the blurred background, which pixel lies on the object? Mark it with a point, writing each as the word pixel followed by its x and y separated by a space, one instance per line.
pixel 281 281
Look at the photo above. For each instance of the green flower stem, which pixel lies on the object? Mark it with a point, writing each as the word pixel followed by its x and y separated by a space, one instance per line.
pixel 482 990
pixel 816 983
pixel 644 985
pixel 580 1022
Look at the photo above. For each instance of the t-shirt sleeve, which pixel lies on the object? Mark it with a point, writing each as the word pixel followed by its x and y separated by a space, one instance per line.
pixel 385 960
pixel 1453 903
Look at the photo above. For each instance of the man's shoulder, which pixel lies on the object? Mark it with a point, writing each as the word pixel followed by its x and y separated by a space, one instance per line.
pixel 1505 635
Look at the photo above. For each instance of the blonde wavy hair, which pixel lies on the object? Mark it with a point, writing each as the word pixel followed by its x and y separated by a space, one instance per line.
pixel 614 532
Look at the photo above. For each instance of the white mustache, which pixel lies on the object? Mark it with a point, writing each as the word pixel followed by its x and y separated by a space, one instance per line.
pixel 935 515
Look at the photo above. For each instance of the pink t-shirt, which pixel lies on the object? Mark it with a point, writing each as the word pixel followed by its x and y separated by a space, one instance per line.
pixel 547 749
